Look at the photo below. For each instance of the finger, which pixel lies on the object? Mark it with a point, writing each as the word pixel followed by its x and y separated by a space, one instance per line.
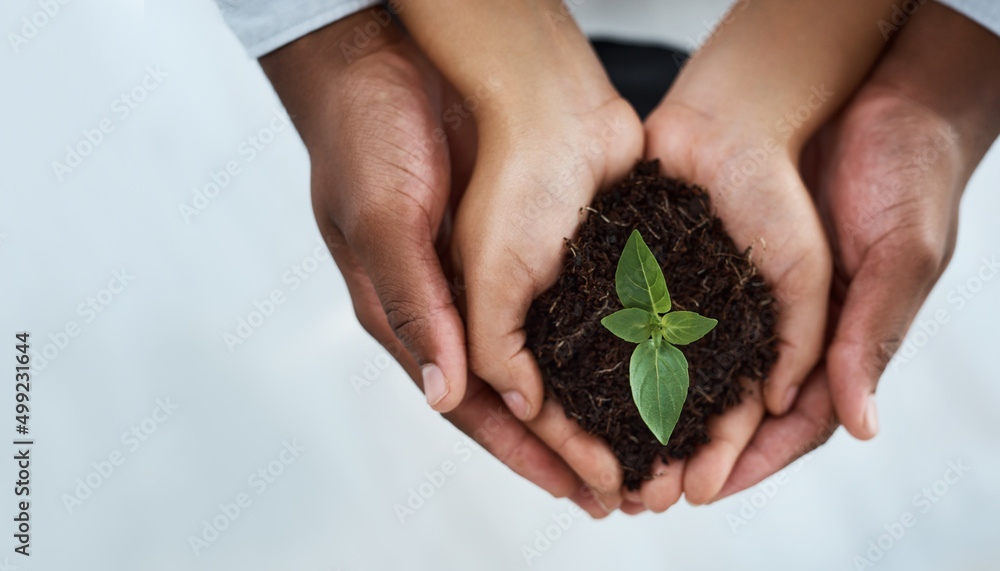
pixel 367 307
pixel 370 311
pixel 385 192
pixel 775 216
pixel 708 469
pixel 781 440
pixel 588 455
pixel 481 415
pixel 500 284
pixel 509 247
pixel 801 278
pixel 565 436
pixel 884 296
pixel 634 496
pixel 392 238
pixel 587 500
pixel 665 487
pixel 632 508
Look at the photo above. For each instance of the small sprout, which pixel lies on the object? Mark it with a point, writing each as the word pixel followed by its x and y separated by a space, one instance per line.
pixel 658 371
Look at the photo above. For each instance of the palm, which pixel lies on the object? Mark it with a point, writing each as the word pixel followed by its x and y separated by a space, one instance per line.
pixel 892 222
pixel 764 206
pixel 886 186
pixel 524 198
pixel 396 166
pixel 407 154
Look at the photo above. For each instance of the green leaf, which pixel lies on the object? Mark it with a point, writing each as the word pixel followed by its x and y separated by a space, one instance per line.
pixel 658 374
pixel 683 327
pixel 639 279
pixel 633 325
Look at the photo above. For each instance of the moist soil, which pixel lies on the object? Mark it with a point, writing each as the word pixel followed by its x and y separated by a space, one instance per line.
pixel 586 368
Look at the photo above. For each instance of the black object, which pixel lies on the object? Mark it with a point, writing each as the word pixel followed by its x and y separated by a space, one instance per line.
pixel 642 73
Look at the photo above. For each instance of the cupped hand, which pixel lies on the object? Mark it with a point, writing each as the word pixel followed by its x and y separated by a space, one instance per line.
pixel 552 131
pixel 755 187
pixel 534 172
pixel 887 176
pixel 892 225
pixel 526 196
pixel 387 168
pixel 382 181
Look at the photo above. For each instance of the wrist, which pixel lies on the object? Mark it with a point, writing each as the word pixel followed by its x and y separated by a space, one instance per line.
pixel 307 72
pixel 337 45
pixel 946 63
pixel 743 77
pixel 510 59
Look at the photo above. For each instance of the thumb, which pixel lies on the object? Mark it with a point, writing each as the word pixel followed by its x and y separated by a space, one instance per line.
pixel 500 285
pixel 507 254
pixel 390 237
pixel 395 248
pixel 881 302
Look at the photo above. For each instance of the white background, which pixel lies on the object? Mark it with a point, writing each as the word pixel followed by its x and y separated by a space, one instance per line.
pixel 332 508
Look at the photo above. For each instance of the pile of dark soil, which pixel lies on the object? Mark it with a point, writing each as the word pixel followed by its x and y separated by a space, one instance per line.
pixel 586 367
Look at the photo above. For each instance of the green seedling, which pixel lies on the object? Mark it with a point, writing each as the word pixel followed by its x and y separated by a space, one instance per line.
pixel 658 371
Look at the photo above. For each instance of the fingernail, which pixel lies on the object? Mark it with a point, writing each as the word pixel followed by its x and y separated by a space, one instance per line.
pixel 790 398
pixel 435 385
pixel 597 498
pixel 871 416
pixel 582 497
pixel 517 405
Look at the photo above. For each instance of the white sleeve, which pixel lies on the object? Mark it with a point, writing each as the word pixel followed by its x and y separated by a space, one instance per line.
pixel 266 25
pixel 985 12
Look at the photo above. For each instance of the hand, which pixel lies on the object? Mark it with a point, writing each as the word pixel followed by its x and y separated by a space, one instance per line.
pixel 735 122
pixel 552 132
pixel 383 181
pixel 893 228
pixel 887 175
pixel 531 179
pixel 766 207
